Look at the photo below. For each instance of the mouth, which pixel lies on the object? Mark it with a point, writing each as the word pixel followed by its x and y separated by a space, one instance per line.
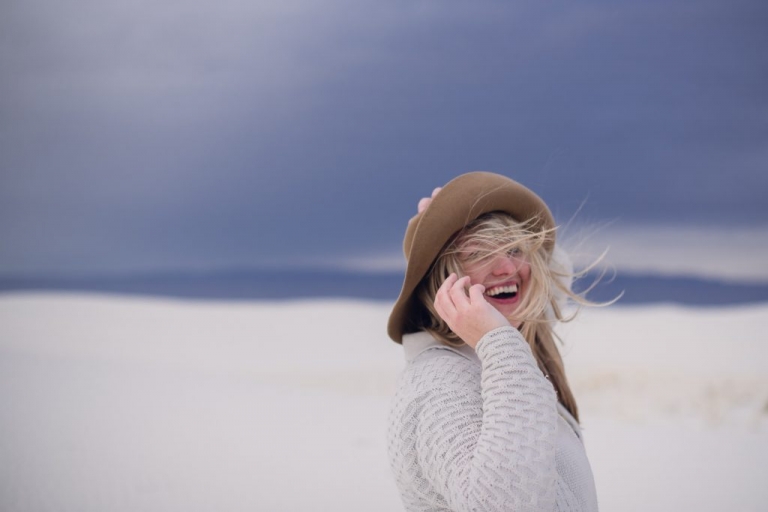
pixel 502 293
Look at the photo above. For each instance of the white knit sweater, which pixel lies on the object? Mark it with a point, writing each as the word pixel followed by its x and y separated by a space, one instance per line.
pixel 483 431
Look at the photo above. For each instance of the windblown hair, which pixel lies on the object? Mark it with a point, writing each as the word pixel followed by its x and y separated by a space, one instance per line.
pixel 541 306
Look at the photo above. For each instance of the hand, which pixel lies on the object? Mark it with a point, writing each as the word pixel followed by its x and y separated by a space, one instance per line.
pixel 424 201
pixel 470 316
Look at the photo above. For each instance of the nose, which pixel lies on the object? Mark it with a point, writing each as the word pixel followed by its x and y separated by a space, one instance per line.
pixel 505 265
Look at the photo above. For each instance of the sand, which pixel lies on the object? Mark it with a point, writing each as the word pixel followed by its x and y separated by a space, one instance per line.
pixel 112 403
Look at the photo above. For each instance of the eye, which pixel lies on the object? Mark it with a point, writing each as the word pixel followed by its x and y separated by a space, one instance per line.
pixel 470 255
pixel 514 252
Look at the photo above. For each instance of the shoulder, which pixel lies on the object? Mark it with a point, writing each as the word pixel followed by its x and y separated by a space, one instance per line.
pixel 441 368
pixel 435 378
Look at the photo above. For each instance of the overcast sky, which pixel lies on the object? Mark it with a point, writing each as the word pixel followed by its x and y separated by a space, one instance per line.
pixel 198 134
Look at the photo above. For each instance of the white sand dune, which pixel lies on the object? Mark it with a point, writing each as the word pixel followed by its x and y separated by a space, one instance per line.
pixel 127 404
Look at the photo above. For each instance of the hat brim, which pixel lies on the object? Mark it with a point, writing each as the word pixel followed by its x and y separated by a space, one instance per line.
pixel 460 202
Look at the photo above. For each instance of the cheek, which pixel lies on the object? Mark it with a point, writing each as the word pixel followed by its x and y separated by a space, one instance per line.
pixel 525 272
pixel 472 271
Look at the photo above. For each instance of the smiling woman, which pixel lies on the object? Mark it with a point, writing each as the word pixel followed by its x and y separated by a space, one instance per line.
pixel 483 417
pixel 494 251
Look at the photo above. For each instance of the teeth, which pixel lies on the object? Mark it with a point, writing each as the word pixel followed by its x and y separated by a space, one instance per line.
pixel 496 290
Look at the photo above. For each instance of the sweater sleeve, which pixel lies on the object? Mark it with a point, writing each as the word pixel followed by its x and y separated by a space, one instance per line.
pixel 494 451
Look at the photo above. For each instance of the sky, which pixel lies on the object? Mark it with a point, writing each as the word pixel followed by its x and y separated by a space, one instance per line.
pixel 137 136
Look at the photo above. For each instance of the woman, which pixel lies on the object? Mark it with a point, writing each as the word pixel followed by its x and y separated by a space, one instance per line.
pixel 483 418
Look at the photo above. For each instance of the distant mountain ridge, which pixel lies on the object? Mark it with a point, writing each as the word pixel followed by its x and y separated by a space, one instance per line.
pixel 304 284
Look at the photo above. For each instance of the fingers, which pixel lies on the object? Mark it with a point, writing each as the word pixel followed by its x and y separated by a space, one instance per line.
pixel 451 300
pixel 444 302
pixel 425 201
pixel 467 312
pixel 476 293
pixel 458 293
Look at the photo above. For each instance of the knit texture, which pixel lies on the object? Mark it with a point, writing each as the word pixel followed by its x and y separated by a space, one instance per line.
pixel 484 432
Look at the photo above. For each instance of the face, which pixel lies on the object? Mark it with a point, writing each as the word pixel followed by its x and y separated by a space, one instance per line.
pixel 505 277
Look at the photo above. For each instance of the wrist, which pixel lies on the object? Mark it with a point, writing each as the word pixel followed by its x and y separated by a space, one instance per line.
pixel 497 335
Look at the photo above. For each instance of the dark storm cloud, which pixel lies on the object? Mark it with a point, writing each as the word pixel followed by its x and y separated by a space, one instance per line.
pixel 202 134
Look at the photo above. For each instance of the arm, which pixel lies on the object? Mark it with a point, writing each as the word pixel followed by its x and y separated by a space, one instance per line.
pixel 496 453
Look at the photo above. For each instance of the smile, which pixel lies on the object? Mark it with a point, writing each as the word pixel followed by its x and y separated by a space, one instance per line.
pixel 502 292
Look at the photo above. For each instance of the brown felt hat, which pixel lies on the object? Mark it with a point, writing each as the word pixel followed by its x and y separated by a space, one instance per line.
pixel 459 202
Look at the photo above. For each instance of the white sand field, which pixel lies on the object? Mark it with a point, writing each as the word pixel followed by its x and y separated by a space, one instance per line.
pixel 135 404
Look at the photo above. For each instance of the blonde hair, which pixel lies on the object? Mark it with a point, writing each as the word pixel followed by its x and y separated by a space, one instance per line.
pixel 498 233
